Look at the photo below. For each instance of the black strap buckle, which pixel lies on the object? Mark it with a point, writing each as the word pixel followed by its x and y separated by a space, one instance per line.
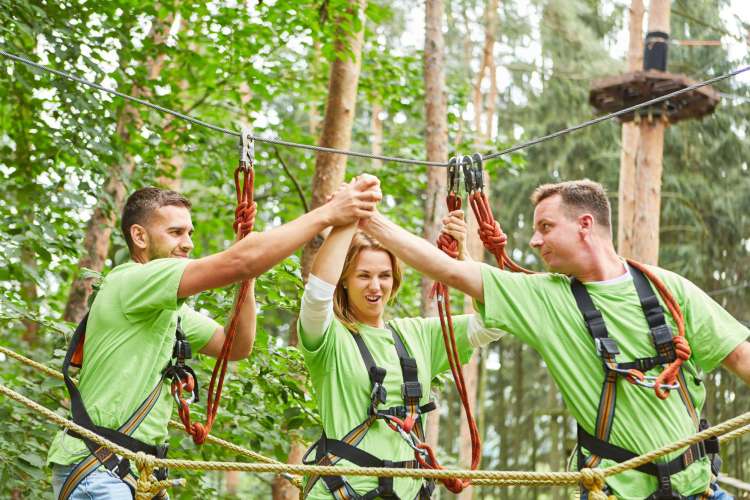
pixel 664 491
pixel 182 350
pixel 411 391
pixel 378 394
pixel 606 346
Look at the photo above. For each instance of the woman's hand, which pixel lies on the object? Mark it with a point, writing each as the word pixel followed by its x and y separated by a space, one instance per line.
pixel 455 225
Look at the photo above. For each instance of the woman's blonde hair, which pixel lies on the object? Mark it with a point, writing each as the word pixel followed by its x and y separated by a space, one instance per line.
pixel 341 307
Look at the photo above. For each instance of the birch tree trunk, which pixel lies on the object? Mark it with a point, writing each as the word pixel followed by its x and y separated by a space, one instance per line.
pixel 329 168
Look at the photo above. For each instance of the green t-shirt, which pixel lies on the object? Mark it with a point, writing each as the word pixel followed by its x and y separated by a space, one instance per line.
pixel 129 339
pixel 342 386
pixel 541 311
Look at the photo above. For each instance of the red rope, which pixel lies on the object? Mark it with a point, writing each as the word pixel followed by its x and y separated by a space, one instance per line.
pixel 449 245
pixel 244 218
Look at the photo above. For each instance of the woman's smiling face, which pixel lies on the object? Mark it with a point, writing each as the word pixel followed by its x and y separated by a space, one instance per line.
pixel 369 286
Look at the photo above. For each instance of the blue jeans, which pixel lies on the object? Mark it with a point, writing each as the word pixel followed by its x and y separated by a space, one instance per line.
pixel 716 494
pixel 99 485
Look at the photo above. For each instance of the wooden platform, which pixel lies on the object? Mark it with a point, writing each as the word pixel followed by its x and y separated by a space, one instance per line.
pixel 614 93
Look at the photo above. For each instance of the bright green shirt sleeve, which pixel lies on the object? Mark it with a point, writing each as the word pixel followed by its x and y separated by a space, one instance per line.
pixel 152 287
pixel 198 328
pixel 711 331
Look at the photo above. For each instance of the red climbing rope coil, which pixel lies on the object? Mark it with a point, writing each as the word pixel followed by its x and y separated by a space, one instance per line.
pixel 244 218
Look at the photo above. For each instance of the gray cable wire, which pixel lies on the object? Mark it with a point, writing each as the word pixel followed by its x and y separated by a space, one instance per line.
pixel 211 126
pixel 310 147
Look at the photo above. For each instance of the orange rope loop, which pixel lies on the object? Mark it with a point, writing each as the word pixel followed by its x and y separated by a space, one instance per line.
pixel 244 218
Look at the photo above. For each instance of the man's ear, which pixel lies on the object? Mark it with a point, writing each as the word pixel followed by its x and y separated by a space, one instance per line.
pixel 586 223
pixel 139 235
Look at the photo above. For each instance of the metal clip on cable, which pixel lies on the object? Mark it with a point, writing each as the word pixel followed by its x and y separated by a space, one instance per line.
pixel 454 176
pixel 247 147
pixel 476 159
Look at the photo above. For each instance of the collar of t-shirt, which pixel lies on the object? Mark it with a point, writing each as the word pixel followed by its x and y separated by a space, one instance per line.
pixel 624 276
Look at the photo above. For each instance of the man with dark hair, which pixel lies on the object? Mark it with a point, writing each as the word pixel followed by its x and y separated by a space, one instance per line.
pixel 140 309
pixel 592 315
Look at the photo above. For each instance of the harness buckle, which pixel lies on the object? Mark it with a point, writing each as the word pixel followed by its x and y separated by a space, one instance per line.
pixel 606 346
pixel 662 334
pixel 411 390
pixel 182 350
pixel 664 491
pixel 378 394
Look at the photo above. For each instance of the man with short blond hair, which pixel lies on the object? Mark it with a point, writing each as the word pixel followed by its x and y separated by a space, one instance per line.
pixel 590 315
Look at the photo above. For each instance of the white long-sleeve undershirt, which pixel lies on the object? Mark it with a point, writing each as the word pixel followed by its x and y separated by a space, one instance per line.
pixel 316 315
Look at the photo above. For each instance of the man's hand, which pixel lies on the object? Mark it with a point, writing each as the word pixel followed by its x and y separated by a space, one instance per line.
pixel 455 225
pixel 353 201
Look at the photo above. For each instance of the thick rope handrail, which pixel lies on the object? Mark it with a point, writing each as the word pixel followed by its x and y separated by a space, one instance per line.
pixel 279 142
pixel 172 423
pixel 560 478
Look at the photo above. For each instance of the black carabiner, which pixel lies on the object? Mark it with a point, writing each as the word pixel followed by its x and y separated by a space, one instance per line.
pixel 469 181
pixel 476 159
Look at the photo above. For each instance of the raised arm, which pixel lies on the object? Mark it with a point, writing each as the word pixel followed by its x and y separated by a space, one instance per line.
pixel 258 252
pixel 738 361
pixel 425 257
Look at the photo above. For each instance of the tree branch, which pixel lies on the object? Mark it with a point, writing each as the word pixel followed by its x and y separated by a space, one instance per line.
pixel 294 180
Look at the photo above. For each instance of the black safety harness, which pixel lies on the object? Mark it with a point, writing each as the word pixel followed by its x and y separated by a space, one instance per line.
pixel 330 451
pixel 661 334
pixel 100 455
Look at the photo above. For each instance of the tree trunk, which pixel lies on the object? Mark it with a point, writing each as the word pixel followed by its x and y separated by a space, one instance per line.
pixel 630 141
pixel 649 164
pixel 337 124
pixel 436 133
pixel 329 168
pixel 102 222
pixel 486 64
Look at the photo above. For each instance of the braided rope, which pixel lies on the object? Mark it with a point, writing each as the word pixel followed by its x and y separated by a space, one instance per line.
pixel 172 423
pixel 738 424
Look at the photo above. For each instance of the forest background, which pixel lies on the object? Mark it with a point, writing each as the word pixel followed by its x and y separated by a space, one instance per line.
pixel 67 155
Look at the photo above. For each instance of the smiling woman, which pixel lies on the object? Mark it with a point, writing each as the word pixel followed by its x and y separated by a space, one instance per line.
pixel 371 377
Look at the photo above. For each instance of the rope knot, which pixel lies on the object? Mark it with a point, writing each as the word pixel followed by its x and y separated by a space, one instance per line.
pixel 681 347
pixel 493 238
pixel 448 244
pixel 593 481
pixel 199 433
pixel 244 218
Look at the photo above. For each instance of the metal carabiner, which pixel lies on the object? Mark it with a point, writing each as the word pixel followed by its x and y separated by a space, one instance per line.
pixel 247 147
pixel 469 181
pixel 454 176
pixel 476 159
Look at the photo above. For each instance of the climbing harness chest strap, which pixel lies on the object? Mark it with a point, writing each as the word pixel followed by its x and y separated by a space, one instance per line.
pixel 598 445
pixel 101 456
pixel 330 451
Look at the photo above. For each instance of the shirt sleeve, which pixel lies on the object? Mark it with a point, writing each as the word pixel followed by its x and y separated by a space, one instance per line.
pixel 710 330
pixel 316 311
pixel 515 303
pixel 198 328
pixel 152 287
pixel 480 335
pixel 432 333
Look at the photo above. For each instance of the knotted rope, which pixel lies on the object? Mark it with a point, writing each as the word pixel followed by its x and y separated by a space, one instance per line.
pixel 449 245
pixel 243 225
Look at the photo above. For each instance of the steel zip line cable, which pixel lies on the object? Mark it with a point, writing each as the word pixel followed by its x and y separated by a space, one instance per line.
pixel 279 142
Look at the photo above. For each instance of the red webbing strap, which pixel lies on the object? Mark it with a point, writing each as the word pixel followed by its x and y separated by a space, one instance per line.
pixel 243 224
pixel 450 246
